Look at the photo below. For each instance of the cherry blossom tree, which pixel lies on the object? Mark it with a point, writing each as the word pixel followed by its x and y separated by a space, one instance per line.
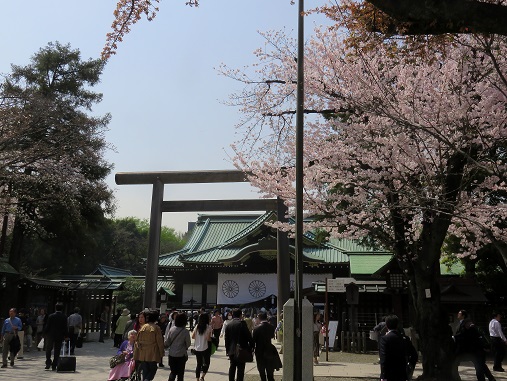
pixel 402 146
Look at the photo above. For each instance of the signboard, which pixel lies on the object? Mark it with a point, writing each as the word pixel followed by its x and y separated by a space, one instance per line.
pixel 332 328
pixel 335 285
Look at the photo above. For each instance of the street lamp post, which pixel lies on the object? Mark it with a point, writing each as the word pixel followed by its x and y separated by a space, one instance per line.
pixel 298 299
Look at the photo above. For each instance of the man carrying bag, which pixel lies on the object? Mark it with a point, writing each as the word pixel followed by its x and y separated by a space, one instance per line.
pixel 11 342
pixel 55 332
pixel 74 322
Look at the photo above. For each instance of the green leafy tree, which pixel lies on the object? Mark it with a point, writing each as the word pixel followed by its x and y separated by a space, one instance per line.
pixel 125 243
pixel 52 170
pixel 131 296
pixel 121 243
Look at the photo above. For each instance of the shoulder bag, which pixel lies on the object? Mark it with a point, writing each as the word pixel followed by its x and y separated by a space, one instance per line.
pixel 186 354
pixel 15 344
pixel 116 360
pixel 243 355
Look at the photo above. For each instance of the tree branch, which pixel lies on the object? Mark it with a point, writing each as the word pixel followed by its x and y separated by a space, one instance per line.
pixel 444 16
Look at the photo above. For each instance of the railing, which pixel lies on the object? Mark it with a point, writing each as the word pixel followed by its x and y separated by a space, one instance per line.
pixel 355 342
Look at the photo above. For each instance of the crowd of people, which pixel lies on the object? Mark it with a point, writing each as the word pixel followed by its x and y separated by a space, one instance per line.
pixel 468 342
pixel 142 340
pixel 148 334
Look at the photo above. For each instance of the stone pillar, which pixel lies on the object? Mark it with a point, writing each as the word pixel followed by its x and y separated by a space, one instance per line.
pixel 288 340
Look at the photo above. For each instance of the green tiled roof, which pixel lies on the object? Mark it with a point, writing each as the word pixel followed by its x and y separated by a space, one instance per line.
pixel 228 238
pixel 167 286
pixel 366 264
pixel 171 259
pixel 212 230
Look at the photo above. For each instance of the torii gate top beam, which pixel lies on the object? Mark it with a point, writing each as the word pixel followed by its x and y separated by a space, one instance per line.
pixel 181 177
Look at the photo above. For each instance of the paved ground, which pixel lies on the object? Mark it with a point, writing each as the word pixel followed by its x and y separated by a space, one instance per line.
pixel 93 365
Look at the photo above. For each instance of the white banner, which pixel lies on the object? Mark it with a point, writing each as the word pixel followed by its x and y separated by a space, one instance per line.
pixel 233 289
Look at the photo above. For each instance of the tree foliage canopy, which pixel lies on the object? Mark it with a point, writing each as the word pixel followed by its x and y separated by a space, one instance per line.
pixel 52 170
pixel 120 243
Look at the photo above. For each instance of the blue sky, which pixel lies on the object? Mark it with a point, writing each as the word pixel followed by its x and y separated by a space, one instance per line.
pixel 161 87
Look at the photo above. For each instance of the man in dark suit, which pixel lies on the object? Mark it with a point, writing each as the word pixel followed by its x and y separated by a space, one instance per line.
pixel 56 331
pixel 393 360
pixel 237 332
pixel 262 335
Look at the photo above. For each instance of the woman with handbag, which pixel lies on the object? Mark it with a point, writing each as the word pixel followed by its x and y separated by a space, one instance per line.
pixel 124 359
pixel 149 346
pixel 41 321
pixel 202 346
pixel 178 342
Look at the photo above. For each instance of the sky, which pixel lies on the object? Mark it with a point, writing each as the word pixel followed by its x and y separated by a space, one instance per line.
pixel 162 88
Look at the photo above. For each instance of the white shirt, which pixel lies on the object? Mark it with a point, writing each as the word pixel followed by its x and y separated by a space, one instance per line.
pixel 201 341
pixel 495 329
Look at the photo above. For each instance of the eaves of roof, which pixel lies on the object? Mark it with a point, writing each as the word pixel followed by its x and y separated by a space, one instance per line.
pixel 41 283
pixel 171 259
pixel 167 291
pixel 94 285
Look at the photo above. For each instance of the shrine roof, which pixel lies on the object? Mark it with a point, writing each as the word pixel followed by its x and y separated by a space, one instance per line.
pixel 223 239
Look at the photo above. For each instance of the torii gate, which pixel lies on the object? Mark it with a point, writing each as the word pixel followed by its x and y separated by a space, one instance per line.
pixel 158 206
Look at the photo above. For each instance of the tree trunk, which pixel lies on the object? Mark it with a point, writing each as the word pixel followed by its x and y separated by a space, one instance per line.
pixel 16 246
pixel 432 323
pixel 3 236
